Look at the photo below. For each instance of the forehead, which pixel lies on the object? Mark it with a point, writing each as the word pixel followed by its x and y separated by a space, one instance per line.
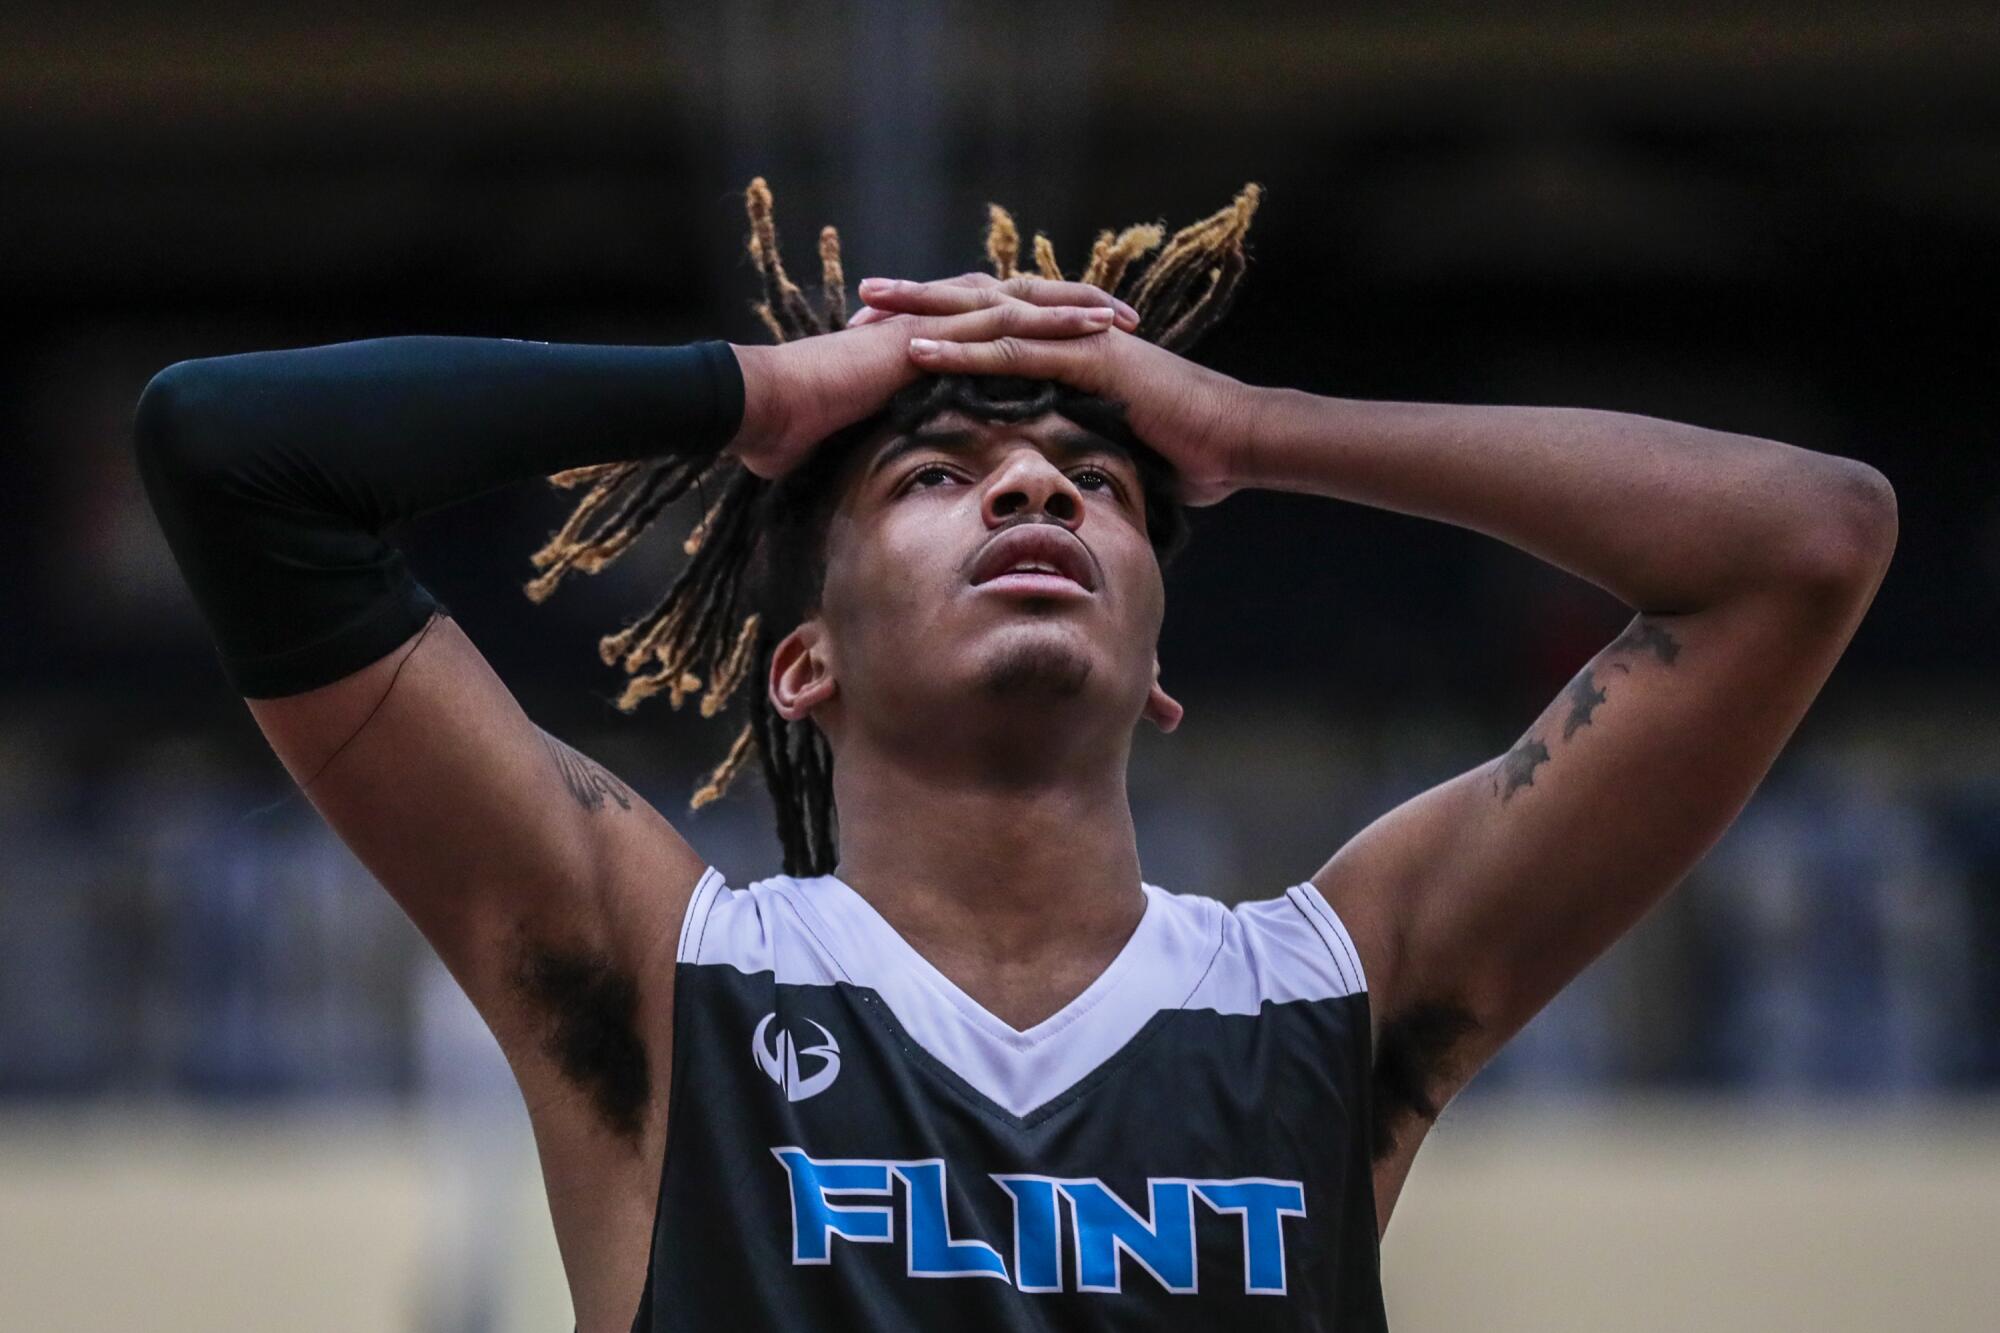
pixel 956 430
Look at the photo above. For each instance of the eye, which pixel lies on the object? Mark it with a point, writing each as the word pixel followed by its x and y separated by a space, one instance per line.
pixel 1094 478
pixel 928 475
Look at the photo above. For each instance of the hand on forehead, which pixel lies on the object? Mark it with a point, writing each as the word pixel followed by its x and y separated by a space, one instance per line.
pixel 887 298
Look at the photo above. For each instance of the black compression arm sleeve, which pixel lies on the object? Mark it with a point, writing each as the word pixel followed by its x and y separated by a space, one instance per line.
pixel 273 474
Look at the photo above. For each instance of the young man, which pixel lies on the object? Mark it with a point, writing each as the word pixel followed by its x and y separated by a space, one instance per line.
pixel 967 1069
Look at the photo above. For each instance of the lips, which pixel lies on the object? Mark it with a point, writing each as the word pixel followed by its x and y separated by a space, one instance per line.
pixel 1043 549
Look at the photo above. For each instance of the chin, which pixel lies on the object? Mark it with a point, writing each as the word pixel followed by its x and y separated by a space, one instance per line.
pixel 1043 666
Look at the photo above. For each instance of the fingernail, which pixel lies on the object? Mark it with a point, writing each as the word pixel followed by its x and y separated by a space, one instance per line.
pixel 1128 311
pixel 1098 315
pixel 924 346
pixel 872 283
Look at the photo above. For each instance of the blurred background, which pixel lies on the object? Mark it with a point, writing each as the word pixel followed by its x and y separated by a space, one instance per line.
pixel 235 1090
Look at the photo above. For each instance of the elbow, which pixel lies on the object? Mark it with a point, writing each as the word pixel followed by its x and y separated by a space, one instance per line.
pixel 174 439
pixel 1844 547
pixel 159 423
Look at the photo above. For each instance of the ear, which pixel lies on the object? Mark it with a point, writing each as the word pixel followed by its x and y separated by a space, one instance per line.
pixel 801 677
pixel 1162 709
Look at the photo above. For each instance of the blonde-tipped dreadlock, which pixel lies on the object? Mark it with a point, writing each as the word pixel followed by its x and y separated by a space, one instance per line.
pixel 709 633
pixel 1171 312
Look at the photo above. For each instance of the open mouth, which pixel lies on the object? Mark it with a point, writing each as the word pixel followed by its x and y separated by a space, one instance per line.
pixel 1036 584
pixel 1036 558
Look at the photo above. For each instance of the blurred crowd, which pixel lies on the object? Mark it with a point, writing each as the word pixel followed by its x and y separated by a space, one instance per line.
pixel 188 926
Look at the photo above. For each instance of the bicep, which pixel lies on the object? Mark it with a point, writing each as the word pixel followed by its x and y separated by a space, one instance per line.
pixel 492 835
pixel 1478 900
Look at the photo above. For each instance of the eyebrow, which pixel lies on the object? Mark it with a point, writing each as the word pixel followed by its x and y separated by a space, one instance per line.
pixel 1067 445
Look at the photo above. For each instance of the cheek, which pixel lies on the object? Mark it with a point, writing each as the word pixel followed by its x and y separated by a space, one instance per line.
pixel 886 581
pixel 1148 607
pixel 1136 571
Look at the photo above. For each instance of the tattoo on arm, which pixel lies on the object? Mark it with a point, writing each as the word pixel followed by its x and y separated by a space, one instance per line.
pixel 1643 636
pixel 1517 766
pixel 1584 695
pixel 588 781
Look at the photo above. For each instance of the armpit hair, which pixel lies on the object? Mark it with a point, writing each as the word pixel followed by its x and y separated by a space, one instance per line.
pixel 1413 1056
pixel 590 1009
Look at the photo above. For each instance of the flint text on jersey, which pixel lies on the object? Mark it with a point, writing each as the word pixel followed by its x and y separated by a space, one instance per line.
pixel 1104 1229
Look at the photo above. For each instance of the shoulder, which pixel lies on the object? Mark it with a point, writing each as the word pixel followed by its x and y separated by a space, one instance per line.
pixel 1290 946
pixel 767 925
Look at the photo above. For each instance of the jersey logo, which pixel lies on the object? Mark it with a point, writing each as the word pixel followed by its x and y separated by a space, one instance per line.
pixel 780 1062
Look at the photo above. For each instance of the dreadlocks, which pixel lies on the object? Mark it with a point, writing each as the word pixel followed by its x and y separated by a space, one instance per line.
pixel 758 553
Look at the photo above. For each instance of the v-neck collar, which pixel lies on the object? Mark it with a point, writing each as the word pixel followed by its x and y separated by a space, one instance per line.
pixel 906 954
pixel 1018 1070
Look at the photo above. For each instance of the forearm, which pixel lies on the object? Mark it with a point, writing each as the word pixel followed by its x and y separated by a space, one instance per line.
pixel 1667 517
pixel 273 474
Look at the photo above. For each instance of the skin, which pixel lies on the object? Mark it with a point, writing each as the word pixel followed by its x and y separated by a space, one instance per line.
pixel 1016 734
pixel 1748 564
pixel 509 848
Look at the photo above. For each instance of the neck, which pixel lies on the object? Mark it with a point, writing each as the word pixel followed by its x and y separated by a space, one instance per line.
pixel 992 872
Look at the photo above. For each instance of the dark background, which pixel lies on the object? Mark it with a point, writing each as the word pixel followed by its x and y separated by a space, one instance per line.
pixel 1776 219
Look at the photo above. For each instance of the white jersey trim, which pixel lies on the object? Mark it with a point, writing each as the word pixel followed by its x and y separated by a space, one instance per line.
pixel 695 919
pixel 1187 952
pixel 1332 930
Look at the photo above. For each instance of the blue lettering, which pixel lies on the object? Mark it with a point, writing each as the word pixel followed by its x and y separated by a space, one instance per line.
pixel 933 1253
pixel 1037 1232
pixel 1105 1227
pixel 815 1222
pixel 1264 1205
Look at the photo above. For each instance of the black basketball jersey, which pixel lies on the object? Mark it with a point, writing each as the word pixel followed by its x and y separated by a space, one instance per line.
pixel 854 1143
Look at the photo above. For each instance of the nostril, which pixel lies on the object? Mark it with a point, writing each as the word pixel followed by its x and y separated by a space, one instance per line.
pixel 1062 505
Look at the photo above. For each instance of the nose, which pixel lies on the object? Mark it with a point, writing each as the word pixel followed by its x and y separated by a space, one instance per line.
pixel 1028 482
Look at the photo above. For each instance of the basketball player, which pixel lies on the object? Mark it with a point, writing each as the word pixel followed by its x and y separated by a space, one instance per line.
pixel 961 1066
